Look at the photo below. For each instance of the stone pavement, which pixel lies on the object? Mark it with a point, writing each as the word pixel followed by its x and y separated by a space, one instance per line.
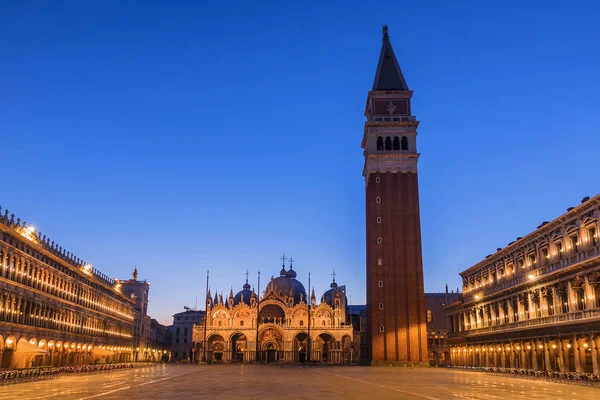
pixel 292 382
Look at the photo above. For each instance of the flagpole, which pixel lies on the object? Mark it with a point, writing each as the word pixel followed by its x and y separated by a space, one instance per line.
pixel 205 319
pixel 256 357
pixel 309 303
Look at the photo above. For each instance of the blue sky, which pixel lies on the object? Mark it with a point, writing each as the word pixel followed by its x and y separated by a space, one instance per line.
pixel 189 136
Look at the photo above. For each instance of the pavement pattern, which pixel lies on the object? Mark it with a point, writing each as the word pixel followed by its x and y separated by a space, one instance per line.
pixel 168 381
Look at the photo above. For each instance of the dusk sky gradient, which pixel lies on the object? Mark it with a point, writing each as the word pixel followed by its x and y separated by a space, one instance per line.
pixel 181 137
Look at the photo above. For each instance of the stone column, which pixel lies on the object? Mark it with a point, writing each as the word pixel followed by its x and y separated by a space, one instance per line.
pixel 547 356
pixel 534 358
pixel 594 354
pixel 570 299
pixel 561 356
pixel 588 293
pixel 544 302
pixel 576 351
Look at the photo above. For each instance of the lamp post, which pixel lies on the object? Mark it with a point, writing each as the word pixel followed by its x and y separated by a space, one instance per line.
pixel 308 338
pixel 205 319
pixel 257 358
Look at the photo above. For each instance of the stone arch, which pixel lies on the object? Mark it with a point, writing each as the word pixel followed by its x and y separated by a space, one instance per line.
pixel 325 343
pixel 271 313
pixel 239 345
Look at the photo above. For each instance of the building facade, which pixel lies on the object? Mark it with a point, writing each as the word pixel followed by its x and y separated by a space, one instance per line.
pixel 535 304
pixel 396 330
pixel 139 291
pixel 159 340
pixel 438 326
pixel 54 308
pixel 282 325
pixel 182 347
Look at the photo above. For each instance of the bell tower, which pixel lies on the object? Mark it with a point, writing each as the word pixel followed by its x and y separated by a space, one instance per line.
pixel 396 329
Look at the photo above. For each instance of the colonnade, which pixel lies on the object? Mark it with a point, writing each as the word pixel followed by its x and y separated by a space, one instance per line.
pixel 574 353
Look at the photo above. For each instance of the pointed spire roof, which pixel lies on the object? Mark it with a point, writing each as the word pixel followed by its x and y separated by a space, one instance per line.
pixel 216 301
pixel 208 294
pixel 312 296
pixel 389 75
pixel 231 293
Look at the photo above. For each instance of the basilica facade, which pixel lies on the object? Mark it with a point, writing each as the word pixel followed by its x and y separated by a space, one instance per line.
pixel 280 325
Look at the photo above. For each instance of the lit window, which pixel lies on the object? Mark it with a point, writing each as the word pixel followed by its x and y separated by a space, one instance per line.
pixel 381 306
pixel 381 329
pixel 379 240
pixel 380 283
pixel 429 316
pixel 380 261
pixel 378 199
pixel 378 220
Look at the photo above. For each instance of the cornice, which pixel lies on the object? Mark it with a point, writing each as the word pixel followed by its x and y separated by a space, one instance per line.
pixel 536 234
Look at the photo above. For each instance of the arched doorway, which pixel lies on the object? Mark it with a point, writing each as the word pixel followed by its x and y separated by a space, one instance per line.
pixel 270 352
pixel 433 358
pixel 273 336
pixel 300 347
pixel 238 347
pixel 327 347
pixel 216 347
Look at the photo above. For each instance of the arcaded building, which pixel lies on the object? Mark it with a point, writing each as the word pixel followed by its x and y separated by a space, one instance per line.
pixel 535 304
pixel 396 331
pixel 283 324
pixel 54 308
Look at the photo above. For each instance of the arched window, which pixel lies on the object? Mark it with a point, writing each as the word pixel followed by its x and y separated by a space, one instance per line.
pixel 381 306
pixel 378 220
pixel 380 261
pixel 378 200
pixel 379 240
pixel 377 180
pixel 429 316
pixel 301 322
pixel 381 329
pixel 388 143
pixel 220 323
pixel 404 143
pixel 242 323
pixel 380 283
pixel 396 143
pixel 379 143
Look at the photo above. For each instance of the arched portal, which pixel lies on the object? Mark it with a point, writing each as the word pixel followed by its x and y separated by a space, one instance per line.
pixel 270 350
pixel 239 344
pixel 327 347
pixel 216 347
pixel 300 347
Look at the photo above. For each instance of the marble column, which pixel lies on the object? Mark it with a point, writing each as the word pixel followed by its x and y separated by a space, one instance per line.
pixel 593 345
pixel 576 353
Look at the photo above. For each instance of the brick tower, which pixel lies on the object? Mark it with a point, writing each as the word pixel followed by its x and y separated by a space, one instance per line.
pixel 396 330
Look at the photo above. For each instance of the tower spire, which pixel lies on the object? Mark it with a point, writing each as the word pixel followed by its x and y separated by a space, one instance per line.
pixel 388 75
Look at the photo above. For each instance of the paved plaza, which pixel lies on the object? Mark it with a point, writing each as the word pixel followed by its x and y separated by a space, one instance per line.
pixel 292 382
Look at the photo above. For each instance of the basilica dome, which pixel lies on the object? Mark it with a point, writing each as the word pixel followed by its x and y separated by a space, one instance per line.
pixel 335 293
pixel 287 284
pixel 243 295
